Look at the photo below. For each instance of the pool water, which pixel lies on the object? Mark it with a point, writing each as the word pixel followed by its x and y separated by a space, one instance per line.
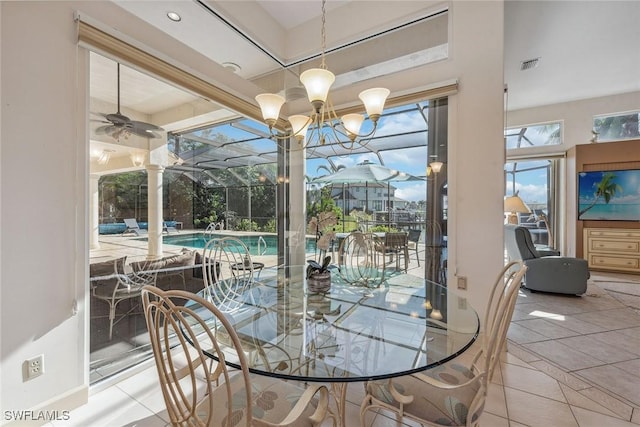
pixel 257 244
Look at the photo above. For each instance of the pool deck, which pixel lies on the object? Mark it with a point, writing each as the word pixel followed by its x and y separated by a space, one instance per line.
pixel 113 246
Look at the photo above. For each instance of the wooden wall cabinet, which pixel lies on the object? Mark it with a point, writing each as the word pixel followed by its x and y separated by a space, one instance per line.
pixel 612 249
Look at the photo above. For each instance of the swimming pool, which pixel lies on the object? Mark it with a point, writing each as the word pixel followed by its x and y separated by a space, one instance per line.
pixel 257 244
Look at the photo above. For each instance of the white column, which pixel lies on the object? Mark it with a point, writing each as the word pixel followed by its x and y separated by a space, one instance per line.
pixel 94 215
pixel 154 181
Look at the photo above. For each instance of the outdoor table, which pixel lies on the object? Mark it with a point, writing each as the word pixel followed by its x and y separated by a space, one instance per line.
pixel 255 266
pixel 349 334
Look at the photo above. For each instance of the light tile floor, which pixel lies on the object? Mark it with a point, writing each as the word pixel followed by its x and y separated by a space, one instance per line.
pixel 572 361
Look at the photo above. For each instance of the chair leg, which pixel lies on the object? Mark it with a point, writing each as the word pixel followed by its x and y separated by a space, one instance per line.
pixel 112 316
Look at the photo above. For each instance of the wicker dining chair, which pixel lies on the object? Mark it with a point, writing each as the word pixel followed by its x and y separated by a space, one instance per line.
pixel 183 329
pixel 227 270
pixel 453 395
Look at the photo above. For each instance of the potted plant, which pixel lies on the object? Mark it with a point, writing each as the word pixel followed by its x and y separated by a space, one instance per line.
pixel 319 275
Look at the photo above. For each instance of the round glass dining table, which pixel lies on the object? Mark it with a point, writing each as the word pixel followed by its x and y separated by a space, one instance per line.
pixel 350 333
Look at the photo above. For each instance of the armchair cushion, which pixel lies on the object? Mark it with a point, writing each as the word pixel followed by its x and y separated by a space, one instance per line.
pixel 107 268
pixel 184 259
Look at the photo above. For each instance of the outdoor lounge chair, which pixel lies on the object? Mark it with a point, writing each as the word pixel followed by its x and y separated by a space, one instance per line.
pixel 169 226
pixel 133 227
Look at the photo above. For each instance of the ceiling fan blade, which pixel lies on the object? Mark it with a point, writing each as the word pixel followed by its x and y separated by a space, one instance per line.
pixel 142 132
pixel 106 130
pixel 145 126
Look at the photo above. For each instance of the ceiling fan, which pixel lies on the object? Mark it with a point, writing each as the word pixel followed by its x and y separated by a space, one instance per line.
pixel 120 126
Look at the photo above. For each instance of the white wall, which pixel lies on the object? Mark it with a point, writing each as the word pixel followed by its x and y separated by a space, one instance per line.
pixel 44 175
pixel 44 249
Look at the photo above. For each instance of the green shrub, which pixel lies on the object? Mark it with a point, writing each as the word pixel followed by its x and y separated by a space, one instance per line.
pixel 246 225
pixel 270 226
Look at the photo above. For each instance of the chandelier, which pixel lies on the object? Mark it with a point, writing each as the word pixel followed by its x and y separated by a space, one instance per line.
pixel 317 82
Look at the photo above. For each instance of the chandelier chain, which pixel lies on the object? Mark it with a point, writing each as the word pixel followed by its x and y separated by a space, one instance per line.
pixel 323 33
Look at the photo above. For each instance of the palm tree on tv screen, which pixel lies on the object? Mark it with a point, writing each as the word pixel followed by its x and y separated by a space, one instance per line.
pixel 606 188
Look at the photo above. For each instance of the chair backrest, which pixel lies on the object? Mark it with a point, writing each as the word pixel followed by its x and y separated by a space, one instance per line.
pixel 518 243
pixel 395 240
pixel 181 326
pixel 414 235
pixel 131 223
pixel 361 259
pixel 227 272
pixel 498 313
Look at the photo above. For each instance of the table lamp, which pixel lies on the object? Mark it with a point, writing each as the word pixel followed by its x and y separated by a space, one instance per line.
pixel 514 205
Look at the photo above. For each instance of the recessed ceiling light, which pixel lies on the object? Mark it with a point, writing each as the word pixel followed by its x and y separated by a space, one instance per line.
pixel 174 16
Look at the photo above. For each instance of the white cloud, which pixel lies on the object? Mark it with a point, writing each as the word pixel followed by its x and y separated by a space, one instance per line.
pixel 412 192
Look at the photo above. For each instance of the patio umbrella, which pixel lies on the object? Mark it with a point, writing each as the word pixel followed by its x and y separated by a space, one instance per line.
pixel 366 172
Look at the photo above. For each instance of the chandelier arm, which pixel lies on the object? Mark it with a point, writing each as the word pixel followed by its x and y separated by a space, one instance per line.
pixel 317 82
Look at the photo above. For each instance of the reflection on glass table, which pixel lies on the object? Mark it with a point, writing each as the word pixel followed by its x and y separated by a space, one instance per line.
pixel 404 326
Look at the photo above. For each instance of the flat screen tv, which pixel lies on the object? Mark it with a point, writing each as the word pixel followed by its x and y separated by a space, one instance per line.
pixel 609 195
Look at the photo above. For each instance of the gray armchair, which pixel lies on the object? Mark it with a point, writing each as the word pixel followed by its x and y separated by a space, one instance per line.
pixel 547 270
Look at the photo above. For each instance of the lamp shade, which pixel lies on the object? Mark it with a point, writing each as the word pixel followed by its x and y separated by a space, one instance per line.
pixel 270 104
pixel 317 82
pixel 436 166
pixel 352 123
pixel 299 126
pixel 373 100
pixel 514 204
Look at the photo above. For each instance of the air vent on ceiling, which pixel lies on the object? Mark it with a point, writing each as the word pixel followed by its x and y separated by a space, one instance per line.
pixel 529 64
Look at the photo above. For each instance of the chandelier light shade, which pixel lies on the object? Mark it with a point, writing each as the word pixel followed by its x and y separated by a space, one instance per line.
pixel 352 123
pixel 317 83
pixel 270 105
pixel 299 127
pixel 373 100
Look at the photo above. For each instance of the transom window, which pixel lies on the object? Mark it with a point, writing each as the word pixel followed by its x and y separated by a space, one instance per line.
pixel 616 127
pixel 533 135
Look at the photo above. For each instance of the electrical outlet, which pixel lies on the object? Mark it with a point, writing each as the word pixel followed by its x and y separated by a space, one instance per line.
pixel 462 282
pixel 35 366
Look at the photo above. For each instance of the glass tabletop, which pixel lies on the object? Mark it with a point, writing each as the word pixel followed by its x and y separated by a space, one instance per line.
pixel 349 333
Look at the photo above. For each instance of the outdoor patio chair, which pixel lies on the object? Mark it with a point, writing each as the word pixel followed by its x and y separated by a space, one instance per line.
pixel 169 226
pixel 133 227
pixel 414 238
pixel 397 244
pixel 126 287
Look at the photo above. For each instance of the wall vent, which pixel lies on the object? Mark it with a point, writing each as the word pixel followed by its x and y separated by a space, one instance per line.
pixel 529 64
